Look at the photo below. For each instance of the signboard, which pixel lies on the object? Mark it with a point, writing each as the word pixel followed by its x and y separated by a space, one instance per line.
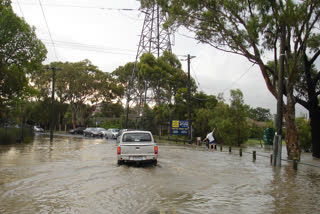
pixel 179 127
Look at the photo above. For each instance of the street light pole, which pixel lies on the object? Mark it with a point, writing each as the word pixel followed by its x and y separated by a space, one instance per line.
pixel 277 149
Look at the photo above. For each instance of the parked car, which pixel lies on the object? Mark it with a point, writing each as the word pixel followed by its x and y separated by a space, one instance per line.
pixel 94 132
pixel 38 129
pixel 137 146
pixel 78 130
pixel 112 133
pixel 102 132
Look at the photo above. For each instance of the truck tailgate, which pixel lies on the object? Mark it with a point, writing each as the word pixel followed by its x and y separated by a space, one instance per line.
pixel 137 149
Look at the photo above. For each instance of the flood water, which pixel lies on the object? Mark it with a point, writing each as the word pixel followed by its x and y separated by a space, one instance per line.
pixel 80 175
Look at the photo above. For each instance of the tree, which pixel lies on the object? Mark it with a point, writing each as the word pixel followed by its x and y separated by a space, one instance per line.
pixel 135 87
pixel 202 109
pixel 21 53
pixel 162 78
pixel 238 116
pixel 259 114
pixel 252 29
pixel 79 84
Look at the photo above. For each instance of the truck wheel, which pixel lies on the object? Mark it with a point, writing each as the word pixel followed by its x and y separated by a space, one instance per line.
pixel 120 162
pixel 155 162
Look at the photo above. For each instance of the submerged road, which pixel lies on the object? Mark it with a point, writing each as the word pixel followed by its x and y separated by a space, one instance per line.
pixel 81 175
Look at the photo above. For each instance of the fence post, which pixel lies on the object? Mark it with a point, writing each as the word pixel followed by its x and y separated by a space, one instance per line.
pixel 254 155
pixel 271 158
pixel 240 152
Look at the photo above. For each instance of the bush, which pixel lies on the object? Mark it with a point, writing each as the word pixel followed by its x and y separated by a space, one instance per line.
pixel 13 135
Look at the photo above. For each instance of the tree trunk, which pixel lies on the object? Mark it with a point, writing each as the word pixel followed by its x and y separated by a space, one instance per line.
pixel 82 115
pixel 292 137
pixel 315 134
pixel 73 116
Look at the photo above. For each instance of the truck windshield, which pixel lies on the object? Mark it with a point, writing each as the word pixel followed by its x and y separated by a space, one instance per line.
pixel 136 137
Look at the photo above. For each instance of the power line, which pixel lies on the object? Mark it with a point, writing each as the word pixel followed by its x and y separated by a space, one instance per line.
pixel 234 82
pixel 196 78
pixel 44 16
pixel 85 7
pixel 242 75
pixel 99 50
pixel 87 46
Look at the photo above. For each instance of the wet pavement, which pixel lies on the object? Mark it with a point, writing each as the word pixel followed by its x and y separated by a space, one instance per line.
pixel 81 175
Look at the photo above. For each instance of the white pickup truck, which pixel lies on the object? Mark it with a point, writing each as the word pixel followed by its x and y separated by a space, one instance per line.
pixel 137 146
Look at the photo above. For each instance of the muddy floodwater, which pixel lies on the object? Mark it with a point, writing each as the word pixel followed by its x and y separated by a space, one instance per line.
pixel 81 175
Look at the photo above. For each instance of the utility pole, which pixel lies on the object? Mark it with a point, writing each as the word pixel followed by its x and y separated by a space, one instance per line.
pixel 277 149
pixel 189 104
pixel 52 101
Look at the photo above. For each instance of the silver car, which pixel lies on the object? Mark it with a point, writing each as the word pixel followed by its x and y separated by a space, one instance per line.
pixel 112 133
pixel 137 146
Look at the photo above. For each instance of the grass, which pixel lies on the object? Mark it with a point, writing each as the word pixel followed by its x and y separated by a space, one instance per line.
pixel 253 142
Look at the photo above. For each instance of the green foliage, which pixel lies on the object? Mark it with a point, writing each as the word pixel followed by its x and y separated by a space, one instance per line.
pixel 111 109
pixel 304 133
pixel 110 124
pixel 252 29
pixel 148 121
pixel 80 83
pixel 259 114
pixel 20 53
pixel 230 121
pixel 239 116
pixel 256 131
pixel 201 121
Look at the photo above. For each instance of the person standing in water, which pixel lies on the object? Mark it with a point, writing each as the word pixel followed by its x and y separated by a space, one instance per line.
pixel 211 140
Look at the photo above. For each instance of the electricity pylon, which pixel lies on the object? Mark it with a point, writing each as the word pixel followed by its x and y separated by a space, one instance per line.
pixel 154 38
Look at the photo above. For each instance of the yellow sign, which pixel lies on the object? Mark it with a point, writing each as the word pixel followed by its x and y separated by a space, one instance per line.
pixel 175 123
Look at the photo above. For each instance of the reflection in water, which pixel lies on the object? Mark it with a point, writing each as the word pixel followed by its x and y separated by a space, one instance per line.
pixel 81 176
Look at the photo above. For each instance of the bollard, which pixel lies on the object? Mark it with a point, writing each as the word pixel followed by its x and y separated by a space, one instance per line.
pixel 240 151
pixel 215 146
pixel 295 164
pixel 229 149
pixel 220 148
pixel 254 155
pixel 271 158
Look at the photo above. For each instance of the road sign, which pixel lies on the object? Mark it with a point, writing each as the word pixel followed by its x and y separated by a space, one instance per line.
pixel 179 127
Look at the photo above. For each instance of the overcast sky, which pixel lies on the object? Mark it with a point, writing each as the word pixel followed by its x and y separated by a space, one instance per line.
pixel 96 30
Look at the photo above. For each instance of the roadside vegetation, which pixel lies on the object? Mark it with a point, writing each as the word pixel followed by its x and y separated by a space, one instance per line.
pixel 156 88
